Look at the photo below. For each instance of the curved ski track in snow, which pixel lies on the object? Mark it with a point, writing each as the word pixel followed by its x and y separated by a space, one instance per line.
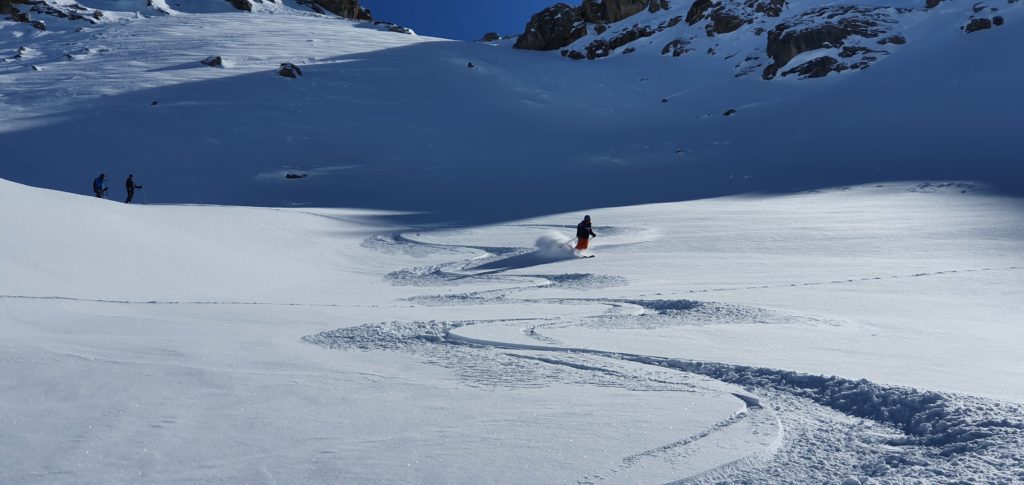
pixel 823 429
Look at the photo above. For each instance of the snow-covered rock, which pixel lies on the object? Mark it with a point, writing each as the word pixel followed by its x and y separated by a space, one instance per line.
pixel 767 34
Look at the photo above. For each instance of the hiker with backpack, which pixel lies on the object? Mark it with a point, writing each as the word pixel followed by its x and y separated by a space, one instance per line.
pixel 99 186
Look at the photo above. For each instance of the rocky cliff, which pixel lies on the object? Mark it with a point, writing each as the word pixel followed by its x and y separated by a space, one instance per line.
pixel 768 38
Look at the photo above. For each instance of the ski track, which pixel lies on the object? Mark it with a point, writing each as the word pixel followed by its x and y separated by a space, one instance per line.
pixel 829 428
pixel 826 424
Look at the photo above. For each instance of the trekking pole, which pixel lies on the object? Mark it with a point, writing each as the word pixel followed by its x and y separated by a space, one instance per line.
pixel 145 200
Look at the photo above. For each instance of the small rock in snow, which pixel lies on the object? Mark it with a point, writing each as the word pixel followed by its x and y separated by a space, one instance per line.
pixel 288 69
pixel 213 61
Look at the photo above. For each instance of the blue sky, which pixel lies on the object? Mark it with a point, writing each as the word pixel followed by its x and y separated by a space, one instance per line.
pixel 458 19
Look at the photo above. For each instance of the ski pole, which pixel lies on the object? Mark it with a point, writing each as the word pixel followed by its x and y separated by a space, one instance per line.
pixel 145 200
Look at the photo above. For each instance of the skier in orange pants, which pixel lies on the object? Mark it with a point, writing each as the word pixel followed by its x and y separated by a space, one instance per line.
pixel 584 231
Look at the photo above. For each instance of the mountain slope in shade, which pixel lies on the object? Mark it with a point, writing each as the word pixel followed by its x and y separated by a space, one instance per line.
pixel 394 121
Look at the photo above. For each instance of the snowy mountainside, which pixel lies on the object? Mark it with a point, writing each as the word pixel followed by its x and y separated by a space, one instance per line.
pixel 461 131
pixel 805 38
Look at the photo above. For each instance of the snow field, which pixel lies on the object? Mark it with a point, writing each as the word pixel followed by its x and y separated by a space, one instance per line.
pixel 660 360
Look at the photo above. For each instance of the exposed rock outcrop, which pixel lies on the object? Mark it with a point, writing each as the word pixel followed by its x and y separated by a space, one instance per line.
pixel 244 5
pixel 657 5
pixel 212 61
pixel 602 47
pixel 723 22
pixel 821 28
pixel 597 11
pixel 819 67
pixel 288 69
pixel 562 24
pixel 893 39
pixel 698 11
pixel 771 8
pixel 553 28
pixel 349 9
pixel 393 27
pixel 977 24
pixel 677 47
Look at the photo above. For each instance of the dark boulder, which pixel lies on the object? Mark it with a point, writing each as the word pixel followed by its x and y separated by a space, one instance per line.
pixel 729 112
pixel 603 48
pixel 997 20
pixel 573 54
pixel 931 3
pixel 288 69
pixel 771 8
pixel 491 37
pixel 349 9
pixel 244 5
pixel 698 11
pixel 552 28
pixel 18 16
pixel 677 47
pixel 597 11
pixel 39 24
pixel 631 34
pixel 893 39
pixel 977 24
pixel 212 61
pixel 819 67
pixel 723 22
pixel 657 5
pixel 598 48
pixel 393 27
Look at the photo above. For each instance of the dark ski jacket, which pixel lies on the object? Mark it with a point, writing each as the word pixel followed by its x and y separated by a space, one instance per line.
pixel 98 184
pixel 584 230
pixel 130 185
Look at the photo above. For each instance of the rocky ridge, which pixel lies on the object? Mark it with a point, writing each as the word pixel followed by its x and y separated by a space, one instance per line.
pixel 769 38
pixel 28 10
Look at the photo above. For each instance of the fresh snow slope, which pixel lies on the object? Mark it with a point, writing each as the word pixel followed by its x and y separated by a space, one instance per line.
pixel 391 121
pixel 169 344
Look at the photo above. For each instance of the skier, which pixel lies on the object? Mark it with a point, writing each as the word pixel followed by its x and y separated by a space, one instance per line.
pixel 584 231
pixel 99 186
pixel 130 186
